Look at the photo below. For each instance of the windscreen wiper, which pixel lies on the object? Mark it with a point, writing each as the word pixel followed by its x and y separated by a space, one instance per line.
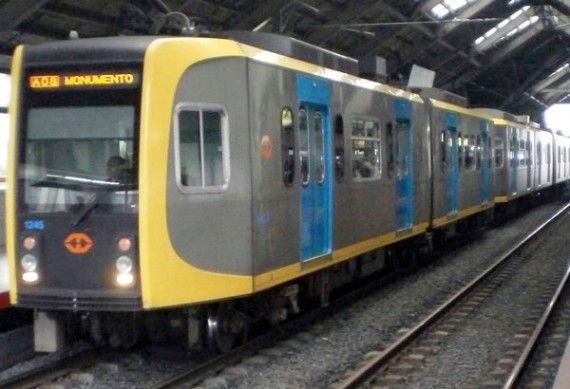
pixel 93 202
pixel 81 183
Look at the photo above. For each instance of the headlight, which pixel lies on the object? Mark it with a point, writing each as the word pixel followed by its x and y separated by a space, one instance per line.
pixel 29 262
pixel 125 279
pixel 30 277
pixel 124 264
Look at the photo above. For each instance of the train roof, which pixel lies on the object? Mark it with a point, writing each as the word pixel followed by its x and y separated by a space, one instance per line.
pixel 295 48
pixel 90 51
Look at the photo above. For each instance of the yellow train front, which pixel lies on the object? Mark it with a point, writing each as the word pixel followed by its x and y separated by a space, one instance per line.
pixel 91 225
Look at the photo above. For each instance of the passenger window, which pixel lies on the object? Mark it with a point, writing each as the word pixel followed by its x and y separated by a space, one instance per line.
pixel 390 148
pixel 366 161
pixel 339 148
pixel 460 150
pixel 443 149
pixel 287 146
pixel 514 144
pixel 522 153
pixel 304 146
pixel 499 152
pixel 203 160
pixel 478 152
pixel 319 148
pixel 469 152
pixel 548 161
pixel 528 151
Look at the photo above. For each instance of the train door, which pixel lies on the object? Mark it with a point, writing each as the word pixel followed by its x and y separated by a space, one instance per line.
pixel 405 163
pixel 539 160
pixel 485 162
pixel 453 167
pixel 315 154
pixel 514 156
pixel 529 160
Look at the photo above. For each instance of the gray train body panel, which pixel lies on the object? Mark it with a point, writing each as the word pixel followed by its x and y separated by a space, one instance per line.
pixel 371 204
pixel 561 167
pixel 212 231
pixel 423 170
pixel 363 203
pixel 469 180
pixel 502 169
pixel 543 159
pixel 276 212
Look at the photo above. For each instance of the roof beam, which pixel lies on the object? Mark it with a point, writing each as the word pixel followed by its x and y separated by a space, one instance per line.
pixel 17 11
pixel 352 11
pixel 539 87
pixel 516 43
pixel 428 32
pixel 538 74
pixel 467 13
pixel 90 15
pixel 266 9
pixel 557 4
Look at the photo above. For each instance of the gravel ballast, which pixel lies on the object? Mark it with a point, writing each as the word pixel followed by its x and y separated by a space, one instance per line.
pixel 319 356
pixel 339 342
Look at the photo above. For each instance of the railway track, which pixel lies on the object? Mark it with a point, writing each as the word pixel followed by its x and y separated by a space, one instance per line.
pixel 210 367
pixel 391 365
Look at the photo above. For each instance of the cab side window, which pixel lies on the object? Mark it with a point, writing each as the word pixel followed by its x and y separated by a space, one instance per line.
pixel 202 160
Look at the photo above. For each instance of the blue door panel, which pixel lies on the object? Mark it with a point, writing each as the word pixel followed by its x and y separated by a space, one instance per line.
pixel 453 168
pixel 405 163
pixel 313 95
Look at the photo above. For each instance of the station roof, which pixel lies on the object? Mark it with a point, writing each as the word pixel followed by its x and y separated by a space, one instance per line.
pixel 507 54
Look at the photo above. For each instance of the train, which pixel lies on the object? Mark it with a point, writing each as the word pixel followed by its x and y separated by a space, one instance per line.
pixel 190 187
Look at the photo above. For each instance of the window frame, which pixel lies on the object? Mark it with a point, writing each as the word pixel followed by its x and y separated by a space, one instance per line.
pixel 320 148
pixel 288 151
pixel 378 139
pixel 226 167
pixel 502 148
pixel 339 148
pixel 470 152
pixel 304 153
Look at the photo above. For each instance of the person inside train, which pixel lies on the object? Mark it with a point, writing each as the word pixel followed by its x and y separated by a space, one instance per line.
pixel 117 169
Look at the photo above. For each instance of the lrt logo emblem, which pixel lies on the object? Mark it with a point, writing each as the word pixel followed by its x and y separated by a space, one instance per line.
pixel 78 243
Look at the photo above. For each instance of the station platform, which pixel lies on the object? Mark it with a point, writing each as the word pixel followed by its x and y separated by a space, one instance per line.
pixel 4 281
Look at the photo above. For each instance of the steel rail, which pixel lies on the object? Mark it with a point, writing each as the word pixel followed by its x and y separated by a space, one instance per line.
pixel 516 373
pixel 371 367
pixel 52 370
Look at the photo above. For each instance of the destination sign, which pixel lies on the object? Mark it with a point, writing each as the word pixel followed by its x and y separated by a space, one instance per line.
pixel 59 81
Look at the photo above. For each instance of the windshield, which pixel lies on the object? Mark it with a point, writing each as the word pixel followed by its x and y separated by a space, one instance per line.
pixel 71 153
